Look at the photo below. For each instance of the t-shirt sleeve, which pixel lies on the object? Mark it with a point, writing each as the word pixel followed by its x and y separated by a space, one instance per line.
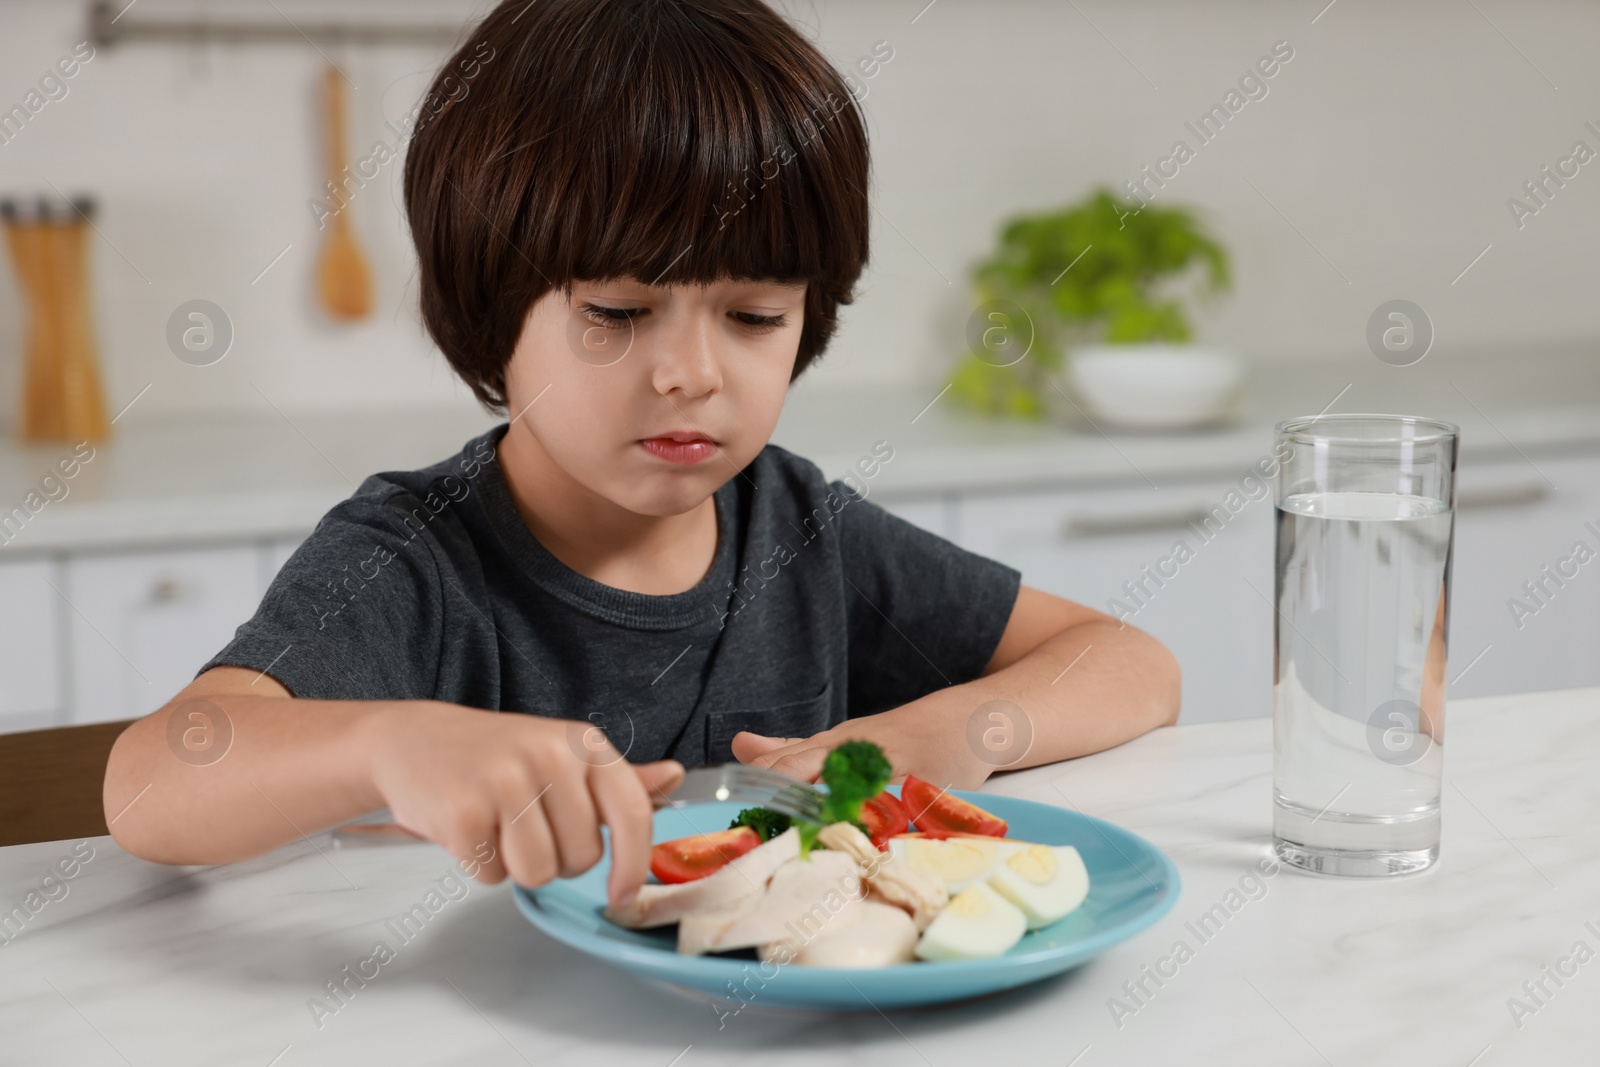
pixel 923 613
pixel 357 612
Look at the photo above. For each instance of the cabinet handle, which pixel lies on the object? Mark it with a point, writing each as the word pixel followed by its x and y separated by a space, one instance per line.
pixel 1109 525
pixel 1074 526
pixel 165 590
pixel 1505 496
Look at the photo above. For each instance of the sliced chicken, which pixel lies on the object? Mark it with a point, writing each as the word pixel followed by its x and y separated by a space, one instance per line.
pixel 745 877
pixel 803 898
pixel 922 895
pixel 868 933
pixel 875 935
pixel 698 931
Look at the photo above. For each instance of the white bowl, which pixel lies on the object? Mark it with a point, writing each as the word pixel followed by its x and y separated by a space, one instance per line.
pixel 1154 386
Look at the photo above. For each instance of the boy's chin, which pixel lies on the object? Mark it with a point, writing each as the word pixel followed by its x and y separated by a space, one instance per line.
pixel 663 497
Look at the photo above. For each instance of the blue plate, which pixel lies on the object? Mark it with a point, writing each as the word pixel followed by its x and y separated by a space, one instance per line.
pixel 1131 885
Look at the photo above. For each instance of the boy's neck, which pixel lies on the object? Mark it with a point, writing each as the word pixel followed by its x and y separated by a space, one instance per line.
pixel 598 538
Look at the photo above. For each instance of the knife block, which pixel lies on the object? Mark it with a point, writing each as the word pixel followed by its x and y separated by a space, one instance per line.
pixel 62 395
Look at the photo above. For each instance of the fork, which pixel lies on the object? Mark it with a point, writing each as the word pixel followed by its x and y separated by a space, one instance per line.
pixel 749 785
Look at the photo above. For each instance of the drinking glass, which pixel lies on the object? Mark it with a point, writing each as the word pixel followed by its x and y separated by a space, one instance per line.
pixel 1365 530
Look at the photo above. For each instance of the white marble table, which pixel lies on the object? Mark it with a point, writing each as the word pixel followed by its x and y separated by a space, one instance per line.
pixel 146 965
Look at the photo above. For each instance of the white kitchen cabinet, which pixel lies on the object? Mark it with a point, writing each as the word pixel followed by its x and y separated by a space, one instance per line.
pixel 31 661
pixel 1114 550
pixel 143 623
pixel 1513 520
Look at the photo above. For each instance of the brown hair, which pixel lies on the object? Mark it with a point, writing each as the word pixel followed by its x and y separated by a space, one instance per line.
pixel 671 141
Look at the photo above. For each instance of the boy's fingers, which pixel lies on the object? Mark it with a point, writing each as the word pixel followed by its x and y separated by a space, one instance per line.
pixel 489 872
pixel 623 795
pixel 527 845
pixel 574 823
pixel 661 777
pixel 802 761
pixel 753 748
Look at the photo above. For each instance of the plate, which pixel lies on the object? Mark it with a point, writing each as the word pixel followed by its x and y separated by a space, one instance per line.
pixel 1131 885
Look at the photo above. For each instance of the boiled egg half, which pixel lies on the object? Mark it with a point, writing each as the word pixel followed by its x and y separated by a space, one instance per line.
pixel 1044 881
pixel 956 861
pixel 976 924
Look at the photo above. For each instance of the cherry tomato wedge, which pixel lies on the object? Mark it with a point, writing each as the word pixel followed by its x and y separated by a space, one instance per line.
pixel 884 817
pixel 940 814
pixel 688 858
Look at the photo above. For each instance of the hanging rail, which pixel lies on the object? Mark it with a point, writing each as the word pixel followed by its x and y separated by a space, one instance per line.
pixel 112 23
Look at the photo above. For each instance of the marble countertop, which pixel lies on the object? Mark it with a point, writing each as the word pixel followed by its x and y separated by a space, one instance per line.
pixel 253 476
pixel 1508 408
pixel 142 964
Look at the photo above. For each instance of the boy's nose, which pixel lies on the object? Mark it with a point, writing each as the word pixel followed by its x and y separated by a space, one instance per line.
pixel 687 362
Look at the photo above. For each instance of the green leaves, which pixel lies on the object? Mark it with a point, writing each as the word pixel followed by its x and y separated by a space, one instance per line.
pixel 1092 271
pixel 999 390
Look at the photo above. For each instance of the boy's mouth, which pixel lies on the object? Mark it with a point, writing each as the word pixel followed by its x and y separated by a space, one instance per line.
pixel 681 447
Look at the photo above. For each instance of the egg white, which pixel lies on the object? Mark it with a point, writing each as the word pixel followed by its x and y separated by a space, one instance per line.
pixel 1047 882
pixel 977 923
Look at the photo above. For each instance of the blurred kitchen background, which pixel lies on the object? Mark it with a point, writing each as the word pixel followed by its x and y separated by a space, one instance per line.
pixel 1378 166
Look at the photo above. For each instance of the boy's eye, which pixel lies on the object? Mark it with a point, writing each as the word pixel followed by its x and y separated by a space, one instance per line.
pixel 758 323
pixel 611 317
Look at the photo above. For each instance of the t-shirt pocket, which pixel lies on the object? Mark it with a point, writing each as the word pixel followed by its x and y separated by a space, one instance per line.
pixel 799 718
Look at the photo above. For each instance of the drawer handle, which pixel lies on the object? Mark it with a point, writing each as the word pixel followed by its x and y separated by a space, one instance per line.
pixel 1150 522
pixel 1507 496
pixel 1109 525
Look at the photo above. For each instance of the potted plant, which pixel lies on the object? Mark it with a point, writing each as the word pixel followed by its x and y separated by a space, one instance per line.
pixel 1089 302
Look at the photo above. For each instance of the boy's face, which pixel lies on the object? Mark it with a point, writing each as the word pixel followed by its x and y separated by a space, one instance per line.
pixel 653 396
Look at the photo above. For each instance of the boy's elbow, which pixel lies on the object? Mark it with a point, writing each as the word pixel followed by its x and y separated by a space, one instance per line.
pixel 1173 691
pixel 1165 676
pixel 122 789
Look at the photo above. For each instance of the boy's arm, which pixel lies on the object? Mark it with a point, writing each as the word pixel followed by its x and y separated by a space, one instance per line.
pixel 1082 680
pixel 506 793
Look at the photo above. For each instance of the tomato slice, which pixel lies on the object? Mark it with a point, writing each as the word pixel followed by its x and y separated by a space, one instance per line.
pixel 884 817
pixel 940 814
pixel 688 858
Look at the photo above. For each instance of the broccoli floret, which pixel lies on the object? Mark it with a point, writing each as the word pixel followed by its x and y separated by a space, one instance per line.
pixel 764 821
pixel 854 773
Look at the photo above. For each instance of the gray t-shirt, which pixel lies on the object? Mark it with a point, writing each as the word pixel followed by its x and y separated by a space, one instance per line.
pixel 819 605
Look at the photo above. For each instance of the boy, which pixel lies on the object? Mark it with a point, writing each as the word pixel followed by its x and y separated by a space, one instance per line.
pixel 634 231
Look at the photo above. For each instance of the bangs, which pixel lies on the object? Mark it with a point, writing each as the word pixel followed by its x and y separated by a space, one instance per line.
pixel 718 169
pixel 668 141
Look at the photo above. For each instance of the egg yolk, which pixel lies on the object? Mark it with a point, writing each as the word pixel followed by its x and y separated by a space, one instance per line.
pixel 1036 863
pixel 951 860
pixel 969 904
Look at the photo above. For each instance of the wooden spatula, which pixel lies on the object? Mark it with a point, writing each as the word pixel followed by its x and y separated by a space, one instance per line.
pixel 344 284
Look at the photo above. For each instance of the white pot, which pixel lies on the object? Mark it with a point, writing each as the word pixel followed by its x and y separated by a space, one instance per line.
pixel 1158 386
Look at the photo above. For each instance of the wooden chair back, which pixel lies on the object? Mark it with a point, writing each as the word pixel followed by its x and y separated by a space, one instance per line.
pixel 50 782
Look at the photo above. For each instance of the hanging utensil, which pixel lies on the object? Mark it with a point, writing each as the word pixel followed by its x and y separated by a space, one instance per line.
pixel 344 283
pixel 62 398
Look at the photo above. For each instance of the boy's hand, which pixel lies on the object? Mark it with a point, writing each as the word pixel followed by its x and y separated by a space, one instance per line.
pixel 926 738
pixel 518 795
